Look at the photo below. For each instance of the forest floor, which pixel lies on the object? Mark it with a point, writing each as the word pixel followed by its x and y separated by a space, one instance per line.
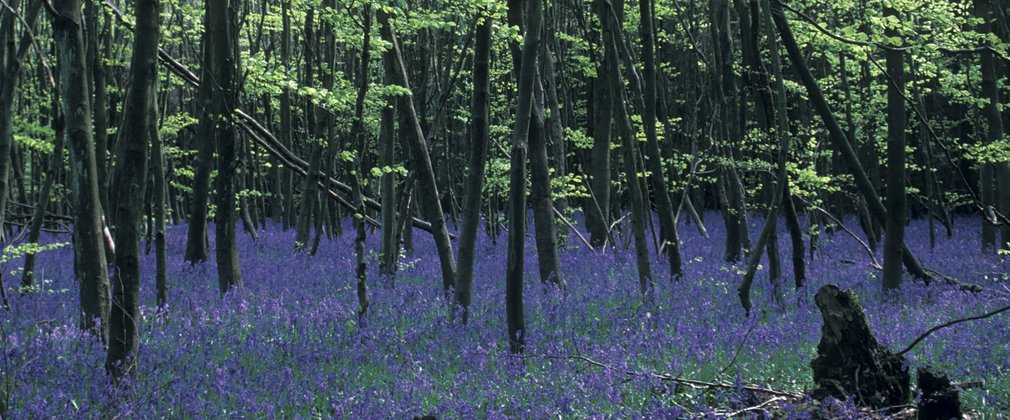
pixel 290 344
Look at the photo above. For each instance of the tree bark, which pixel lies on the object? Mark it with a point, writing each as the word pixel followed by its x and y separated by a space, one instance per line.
pixel 220 41
pixel 89 244
pixel 415 140
pixel 479 140
pixel 894 228
pixel 130 183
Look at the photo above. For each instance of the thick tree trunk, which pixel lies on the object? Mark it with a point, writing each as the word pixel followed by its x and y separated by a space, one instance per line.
pixel 995 181
pixel 89 244
pixel 130 184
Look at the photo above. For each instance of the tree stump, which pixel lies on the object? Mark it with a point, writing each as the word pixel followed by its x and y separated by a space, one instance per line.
pixel 850 363
pixel 939 400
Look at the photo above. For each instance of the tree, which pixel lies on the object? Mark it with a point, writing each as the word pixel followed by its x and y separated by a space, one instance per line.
pixel 515 264
pixel 89 246
pixel 894 239
pixel 629 150
pixel 479 140
pixel 415 141
pixel 130 183
pixel 220 41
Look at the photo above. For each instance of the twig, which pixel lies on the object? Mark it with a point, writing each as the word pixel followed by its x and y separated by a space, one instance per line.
pixel 738 348
pixel 873 258
pixel 756 407
pixel 573 228
pixel 949 324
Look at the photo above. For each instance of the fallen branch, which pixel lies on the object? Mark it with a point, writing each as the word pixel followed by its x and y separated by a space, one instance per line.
pixel 950 324
pixel 759 407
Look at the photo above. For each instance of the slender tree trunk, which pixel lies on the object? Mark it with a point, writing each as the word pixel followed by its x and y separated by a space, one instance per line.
pixel 89 244
pixel 894 236
pixel 597 218
pixel 158 194
pixel 130 183
pixel 14 58
pixel 387 158
pixel 96 39
pixel 545 227
pixel 479 139
pixel 358 131
pixel 515 264
pixel 303 228
pixel 220 41
pixel 287 131
pixel 648 103
pixel 628 150
pixel 53 171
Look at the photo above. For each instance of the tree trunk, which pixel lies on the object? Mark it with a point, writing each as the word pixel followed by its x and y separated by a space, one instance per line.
pixel 837 136
pixel 894 228
pixel 89 244
pixel 993 178
pixel 159 193
pixel 220 41
pixel 517 180
pixel 130 183
pixel 415 140
pixel 479 120
pixel 628 150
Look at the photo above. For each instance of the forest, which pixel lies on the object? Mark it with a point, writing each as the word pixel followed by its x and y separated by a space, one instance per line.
pixel 504 209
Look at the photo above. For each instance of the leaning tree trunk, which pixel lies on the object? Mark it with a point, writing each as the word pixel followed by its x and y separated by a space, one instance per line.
pixel 837 136
pixel 89 244
pixel 130 184
pixel 415 141
pixel 630 153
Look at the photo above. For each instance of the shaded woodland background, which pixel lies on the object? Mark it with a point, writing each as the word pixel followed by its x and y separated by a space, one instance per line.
pixel 606 126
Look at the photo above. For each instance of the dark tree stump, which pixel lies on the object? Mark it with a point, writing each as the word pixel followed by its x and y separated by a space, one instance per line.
pixel 850 363
pixel 939 400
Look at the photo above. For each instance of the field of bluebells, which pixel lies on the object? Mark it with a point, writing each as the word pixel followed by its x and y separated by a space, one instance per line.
pixel 290 343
